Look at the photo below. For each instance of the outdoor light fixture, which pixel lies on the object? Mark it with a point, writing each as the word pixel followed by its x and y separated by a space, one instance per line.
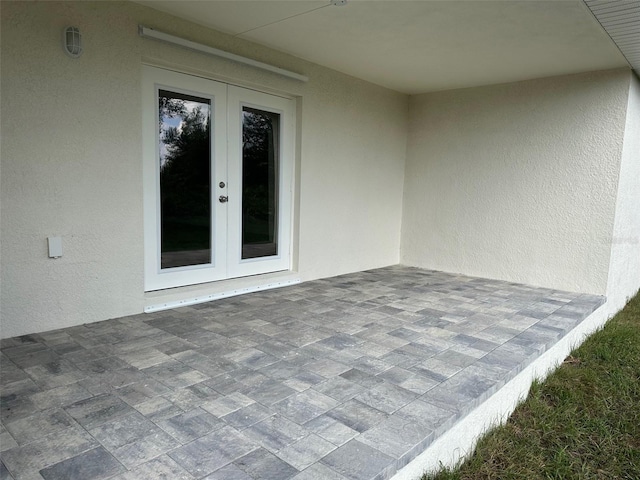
pixel 72 42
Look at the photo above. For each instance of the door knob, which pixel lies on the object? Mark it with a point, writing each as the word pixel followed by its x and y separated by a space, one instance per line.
pixel 223 199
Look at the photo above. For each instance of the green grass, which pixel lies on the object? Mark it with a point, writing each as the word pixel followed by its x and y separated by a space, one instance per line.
pixel 582 422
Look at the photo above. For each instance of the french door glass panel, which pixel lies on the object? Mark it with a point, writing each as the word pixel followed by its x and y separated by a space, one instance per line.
pixel 185 179
pixel 260 153
pixel 217 180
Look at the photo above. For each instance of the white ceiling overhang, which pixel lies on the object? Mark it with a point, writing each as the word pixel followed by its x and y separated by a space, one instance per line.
pixel 422 46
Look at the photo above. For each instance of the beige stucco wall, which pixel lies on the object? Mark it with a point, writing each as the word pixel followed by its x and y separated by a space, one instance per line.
pixel 71 159
pixel 624 270
pixel 518 181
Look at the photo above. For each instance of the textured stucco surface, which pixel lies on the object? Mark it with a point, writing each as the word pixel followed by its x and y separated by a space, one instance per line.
pixel 71 159
pixel 624 270
pixel 518 181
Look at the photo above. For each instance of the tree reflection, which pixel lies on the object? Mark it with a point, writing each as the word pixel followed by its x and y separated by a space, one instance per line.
pixel 185 178
pixel 185 187
pixel 259 186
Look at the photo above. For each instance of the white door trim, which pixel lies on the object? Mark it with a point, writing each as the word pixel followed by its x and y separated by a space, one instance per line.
pixel 226 135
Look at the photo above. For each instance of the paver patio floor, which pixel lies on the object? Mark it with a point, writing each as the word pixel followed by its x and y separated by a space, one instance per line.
pixel 343 378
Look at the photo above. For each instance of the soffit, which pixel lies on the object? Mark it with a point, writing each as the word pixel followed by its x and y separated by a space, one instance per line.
pixel 621 20
pixel 419 46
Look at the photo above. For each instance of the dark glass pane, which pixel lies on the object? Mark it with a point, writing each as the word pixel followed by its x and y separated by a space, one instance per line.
pixel 260 139
pixel 185 186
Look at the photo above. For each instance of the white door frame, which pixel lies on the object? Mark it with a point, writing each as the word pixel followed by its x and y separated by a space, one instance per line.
pixel 226 165
pixel 237 99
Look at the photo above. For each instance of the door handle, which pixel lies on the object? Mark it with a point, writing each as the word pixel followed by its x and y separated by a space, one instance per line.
pixel 223 199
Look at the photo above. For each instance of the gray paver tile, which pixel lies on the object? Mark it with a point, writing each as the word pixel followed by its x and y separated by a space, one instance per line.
pixel 102 365
pixel 26 356
pixel 304 380
pixel 326 367
pixel 10 372
pixel 192 396
pixel 228 472
pixel 144 358
pixel 158 408
pixel 427 415
pixel 446 399
pixel 95 411
pixel 410 381
pixel 281 370
pixel 370 365
pixel 305 406
pixel 252 358
pixel 26 461
pixel 227 404
pixel 124 430
pixel 436 369
pixel 189 426
pixel 331 430
pixel 160 468
pixel 386 397
pixel 55 374
pixel 172 347
pixel 306 451
pixel 213 451
pixel 268 392
pixel 93 464
pixel 226 383
pixel 27 429
pixel 59 397
pixel 339 388
pixel 318 471
pixel 175 374
pixel 275 433
pixel 357 461
pixel 263 464
pixel 247 416
pixel 356 375
pixel 140 392
pixel 357 415
pixel 7 442
pixel 451 357
pixel 398 437
pixel 4 473
pixel 144 449
pixel 470 384
pixel 112 379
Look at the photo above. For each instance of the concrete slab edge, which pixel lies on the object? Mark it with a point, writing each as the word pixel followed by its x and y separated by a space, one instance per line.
pixel 459 441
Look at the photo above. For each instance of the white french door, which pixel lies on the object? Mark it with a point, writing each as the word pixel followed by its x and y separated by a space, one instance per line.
pixel 217 166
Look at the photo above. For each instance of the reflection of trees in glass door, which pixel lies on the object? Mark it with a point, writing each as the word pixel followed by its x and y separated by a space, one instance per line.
pixel 260 134
pixel 217 188
pixel 185 179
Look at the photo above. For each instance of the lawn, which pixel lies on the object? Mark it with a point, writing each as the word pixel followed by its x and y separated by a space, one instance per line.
pixel 582 422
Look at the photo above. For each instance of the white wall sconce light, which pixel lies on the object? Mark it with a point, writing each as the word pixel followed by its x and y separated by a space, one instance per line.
pixel 72 41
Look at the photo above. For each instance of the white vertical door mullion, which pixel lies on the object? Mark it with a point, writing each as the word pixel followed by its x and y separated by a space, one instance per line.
pixel 219 174
pixel 234 173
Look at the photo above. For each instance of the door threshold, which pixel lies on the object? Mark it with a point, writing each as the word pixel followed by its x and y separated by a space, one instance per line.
pixel 191 295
